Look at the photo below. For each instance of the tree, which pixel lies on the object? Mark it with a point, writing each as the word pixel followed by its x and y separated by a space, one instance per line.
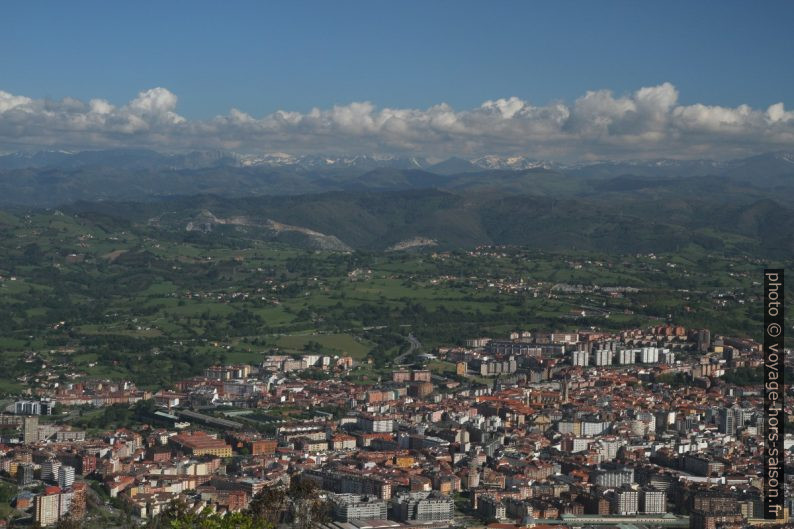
pixel 68 522
pixel 309 511
pixel 744 376
pixel 301 502
pixel 207 520
pixel 7 492
pixel 178 516
pixel 269 504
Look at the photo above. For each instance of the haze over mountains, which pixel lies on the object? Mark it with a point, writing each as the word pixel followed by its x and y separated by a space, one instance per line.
pixel 387 203
pixel 146 158
pixel 50 178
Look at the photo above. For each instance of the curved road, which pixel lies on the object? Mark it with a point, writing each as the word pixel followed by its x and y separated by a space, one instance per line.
pixel 415 345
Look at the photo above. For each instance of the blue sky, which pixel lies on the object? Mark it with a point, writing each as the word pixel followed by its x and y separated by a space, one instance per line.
pixel 260 57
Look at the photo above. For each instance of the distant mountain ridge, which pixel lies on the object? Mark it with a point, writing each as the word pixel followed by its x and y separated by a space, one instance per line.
pixel 130 158
pixel 378 203
pixel 50 178
pixel 69 159
pixel 424 219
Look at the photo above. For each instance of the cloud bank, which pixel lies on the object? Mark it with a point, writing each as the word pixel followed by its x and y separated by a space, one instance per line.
pixel 649 123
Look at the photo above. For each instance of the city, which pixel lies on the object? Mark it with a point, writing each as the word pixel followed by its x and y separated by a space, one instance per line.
pixel 644 427
pixel 396 265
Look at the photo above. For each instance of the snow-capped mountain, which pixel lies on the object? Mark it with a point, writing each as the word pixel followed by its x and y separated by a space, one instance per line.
pixel 117 158
pixel 510 163
pixel 272 159
pixel 144 159
pixel 22 159
pixel 319 161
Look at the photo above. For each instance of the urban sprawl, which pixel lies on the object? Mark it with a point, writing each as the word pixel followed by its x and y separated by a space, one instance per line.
pixel 538 429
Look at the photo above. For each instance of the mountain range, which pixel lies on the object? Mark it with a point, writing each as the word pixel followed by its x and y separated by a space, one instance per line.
pixel 381 203
pixel 51 178
pixel 149 159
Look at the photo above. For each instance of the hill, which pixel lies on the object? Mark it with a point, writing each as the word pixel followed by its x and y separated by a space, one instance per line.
pixel 380 220
pixel 48 179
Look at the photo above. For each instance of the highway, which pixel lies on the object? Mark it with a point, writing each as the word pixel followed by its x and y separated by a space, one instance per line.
pixel 415 345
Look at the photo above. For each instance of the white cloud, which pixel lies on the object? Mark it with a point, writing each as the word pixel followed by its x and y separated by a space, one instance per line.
pixel 9 101
pixel 100 106
pixel 647 123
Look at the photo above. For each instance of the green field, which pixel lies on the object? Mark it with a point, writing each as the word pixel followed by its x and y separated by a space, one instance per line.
pixel 139 296
pixel 340 344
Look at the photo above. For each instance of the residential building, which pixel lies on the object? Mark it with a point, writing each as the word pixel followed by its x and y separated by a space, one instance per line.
pixel 65 476
pixel 349 507
pixel 199 443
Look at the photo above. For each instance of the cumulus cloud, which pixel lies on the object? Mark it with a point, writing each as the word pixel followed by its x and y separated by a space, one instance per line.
pixel 648 123
pixel 9 101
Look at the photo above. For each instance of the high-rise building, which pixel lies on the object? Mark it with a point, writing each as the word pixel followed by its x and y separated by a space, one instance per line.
pixel 65 476
pixel 24 473
pixel 45 509
pixel 625 500
pixel 649 355
pixel 30 429
pixel 663 420
pixel 594 427
pixel 731 419
pixel 703 340
pixel 348 482
pixel 49 470
pixel 347 507
pixel 653 501
pixel 610 479
pixel 51 506
pixel 602 357
pixel 579 358
pixel 626 356
pixel 374 424
pixel 33 407
pixel 667 356
pixel 423 507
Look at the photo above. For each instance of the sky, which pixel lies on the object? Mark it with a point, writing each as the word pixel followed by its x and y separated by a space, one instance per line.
pixel 557 80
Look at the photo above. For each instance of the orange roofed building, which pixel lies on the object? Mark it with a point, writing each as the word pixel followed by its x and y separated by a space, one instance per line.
pixel 199 444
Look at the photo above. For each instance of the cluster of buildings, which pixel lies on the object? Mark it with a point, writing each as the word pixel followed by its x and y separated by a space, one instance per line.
pixel 97 393
pixel 534 438
pixel 288 363
pixel 612 355
pixel 60 494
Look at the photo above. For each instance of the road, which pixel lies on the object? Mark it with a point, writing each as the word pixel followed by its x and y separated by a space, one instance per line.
pixel 415 345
